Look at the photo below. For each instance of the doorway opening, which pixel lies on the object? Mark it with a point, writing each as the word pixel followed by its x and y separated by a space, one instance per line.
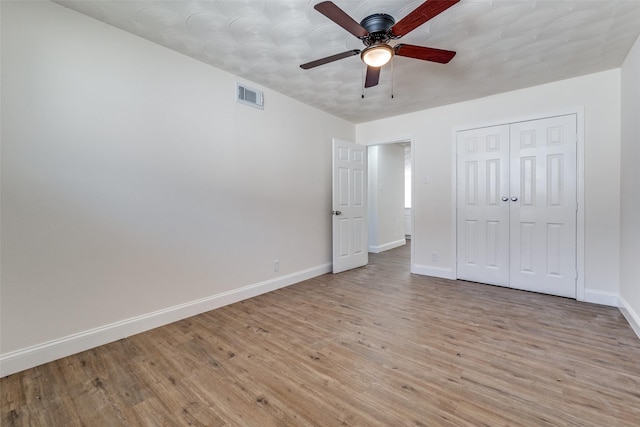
pixel 390 195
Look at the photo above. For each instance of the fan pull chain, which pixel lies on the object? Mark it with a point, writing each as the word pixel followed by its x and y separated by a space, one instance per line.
pixel 364 67
pixel 392 61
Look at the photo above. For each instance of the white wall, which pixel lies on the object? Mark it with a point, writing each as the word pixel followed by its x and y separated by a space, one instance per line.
pixel 599 94
pixel 408 159
pixel 630 189
pixel 372 192
pixel 136 191
pixel 386 197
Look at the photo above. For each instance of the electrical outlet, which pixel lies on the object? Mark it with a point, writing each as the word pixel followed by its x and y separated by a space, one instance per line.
pixel 276 265
pixel 434 256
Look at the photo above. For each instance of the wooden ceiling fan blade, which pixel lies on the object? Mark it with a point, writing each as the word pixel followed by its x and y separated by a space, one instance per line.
pixel 420 15
pixel 340 17
pixel 373 76
pixel 328 59
pixel 424 53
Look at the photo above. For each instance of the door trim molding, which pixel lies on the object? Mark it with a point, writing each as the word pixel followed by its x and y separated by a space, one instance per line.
pixel 580 232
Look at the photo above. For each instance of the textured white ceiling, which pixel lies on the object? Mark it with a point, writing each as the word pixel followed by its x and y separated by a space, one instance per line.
pixel 502 45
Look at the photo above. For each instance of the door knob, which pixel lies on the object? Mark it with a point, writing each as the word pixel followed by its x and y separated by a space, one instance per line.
pixel 504 199
pixel 336 212
pixel 514 199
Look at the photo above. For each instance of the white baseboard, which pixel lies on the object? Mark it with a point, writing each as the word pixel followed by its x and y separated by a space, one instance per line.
pixel 29 357
pixel 629 313
pixel 425 270
pixel 387 246
pixel 600 297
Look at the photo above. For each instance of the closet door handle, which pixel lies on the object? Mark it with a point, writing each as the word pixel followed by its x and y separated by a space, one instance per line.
pixel 505 199
pixel 514 199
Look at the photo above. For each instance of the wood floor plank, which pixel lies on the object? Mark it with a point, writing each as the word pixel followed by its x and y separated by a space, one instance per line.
pixel 372 346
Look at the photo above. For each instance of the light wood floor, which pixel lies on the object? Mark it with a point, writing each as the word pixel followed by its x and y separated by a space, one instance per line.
pixel 372 347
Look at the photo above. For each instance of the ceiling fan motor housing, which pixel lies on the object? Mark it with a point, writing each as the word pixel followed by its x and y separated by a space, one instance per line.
pixel 378 25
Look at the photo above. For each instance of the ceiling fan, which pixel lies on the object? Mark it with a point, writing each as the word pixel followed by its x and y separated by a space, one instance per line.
pixel 377 30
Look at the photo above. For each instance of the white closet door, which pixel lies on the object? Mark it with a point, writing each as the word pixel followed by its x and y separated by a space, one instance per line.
pixel 517 204
pixel 543 214
pixel 483 215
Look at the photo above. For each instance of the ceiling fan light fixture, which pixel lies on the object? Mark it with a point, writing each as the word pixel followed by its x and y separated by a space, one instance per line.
pixel 377 55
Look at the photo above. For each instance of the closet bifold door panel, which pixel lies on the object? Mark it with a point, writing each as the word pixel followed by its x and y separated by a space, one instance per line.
pixel 516 205
pixel 543 218
pixel 483 213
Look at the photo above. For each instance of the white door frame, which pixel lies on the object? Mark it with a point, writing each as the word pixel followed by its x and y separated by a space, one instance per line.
pixel 580 232
pixel 403 139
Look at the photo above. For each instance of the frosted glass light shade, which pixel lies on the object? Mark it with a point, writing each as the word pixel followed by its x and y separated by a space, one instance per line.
pixel 377 56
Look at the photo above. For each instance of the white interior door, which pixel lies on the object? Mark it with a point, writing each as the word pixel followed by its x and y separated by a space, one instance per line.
pixel 517 205
pixel 544 205
pixel 350 230
pixel 483 212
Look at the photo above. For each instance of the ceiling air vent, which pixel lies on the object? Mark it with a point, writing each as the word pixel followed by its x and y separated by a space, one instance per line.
pixel 252 97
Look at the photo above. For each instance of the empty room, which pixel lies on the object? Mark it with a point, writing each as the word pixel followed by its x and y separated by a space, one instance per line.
pixel 320 213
